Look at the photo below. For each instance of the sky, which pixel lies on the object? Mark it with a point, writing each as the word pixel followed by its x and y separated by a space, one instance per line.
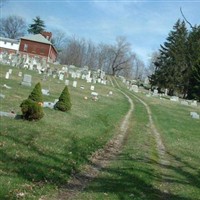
pixel 145 23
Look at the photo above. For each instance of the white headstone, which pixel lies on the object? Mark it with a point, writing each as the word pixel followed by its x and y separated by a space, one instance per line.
pixel 48 105
pixel 92 87
pixel 166 92
pixel 45 92
pixel 67 82
pixel 155 92
pixel 184 103
pixel 20 74
pixel 89 80
pixel 174 98
pixel 2 95
pixel 7 75
pixel 82 87
pixel 134 88
pixel 61 77
pixel 10 71
pixel 194 115
pixel 194 103
pixel 74 84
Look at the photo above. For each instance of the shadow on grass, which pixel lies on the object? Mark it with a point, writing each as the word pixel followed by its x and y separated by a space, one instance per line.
pixel 135 180
pixel 37 165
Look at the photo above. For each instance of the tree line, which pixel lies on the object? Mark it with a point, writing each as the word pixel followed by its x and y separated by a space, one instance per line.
pixel 115 59
pixel 177 64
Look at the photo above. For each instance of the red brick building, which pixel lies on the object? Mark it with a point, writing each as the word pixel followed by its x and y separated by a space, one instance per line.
pixel 38 45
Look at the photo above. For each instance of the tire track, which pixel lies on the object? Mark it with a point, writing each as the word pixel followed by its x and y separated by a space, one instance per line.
pixel 98 160
pixel 161 150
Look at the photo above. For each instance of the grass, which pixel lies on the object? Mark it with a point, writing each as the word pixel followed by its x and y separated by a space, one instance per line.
pixel 137 174
pixel 39 157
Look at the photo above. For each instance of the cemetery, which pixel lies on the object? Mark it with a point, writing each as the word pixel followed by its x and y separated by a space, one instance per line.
pixel 44 153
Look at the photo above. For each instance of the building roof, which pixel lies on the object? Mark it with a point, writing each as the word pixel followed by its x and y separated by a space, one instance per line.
pixel 9 40
pixel 37 38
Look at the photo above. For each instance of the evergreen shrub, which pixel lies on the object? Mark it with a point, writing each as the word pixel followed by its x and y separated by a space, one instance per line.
pixel 64 102
pixel 36 94
pixel 32 107
pixel 31 110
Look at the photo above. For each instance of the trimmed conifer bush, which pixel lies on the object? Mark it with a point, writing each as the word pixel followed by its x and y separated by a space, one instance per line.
pixel 64 103
pixel 36 94
pixel 31 110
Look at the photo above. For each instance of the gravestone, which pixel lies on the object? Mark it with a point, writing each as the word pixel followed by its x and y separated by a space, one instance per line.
pixel 67 82
pixel 166 92
pixel 134 88
pixel 10 71
pixel 194 115
pixel 92 87
pixel 74 84
pixel 20 74
pixel 89 80
pixel 82 87
pixel 7 75
pixel 155 92
pixel 61 77
pixel 94 80
pixel 6 86
pixel 27 80
pixel 110 93
pixel 194 103
pixel 45 92
pixel 184 103
pixel 6 114
pixel 48 105
pixel 2 96
pixel 174 98
pixel 94 96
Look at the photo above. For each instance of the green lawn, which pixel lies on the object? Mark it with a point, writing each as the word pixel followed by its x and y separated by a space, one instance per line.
pixel 137 173
pixel 38 157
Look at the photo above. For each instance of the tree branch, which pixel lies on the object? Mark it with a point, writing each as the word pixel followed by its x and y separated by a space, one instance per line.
pixel 185 18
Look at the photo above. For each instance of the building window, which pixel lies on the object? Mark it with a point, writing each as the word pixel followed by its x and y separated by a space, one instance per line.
pixel 25 47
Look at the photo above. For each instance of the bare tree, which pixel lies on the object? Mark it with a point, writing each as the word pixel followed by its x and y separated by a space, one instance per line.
pixel 151 66
pixel 138 68
pixel 73 53
pixel 12 27
pixel 59 39
pixel 121 55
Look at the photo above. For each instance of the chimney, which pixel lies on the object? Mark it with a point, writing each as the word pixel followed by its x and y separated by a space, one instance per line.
pixel 47 35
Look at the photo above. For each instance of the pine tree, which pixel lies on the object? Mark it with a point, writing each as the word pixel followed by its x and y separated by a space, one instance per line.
pixel 172 62
pixel 194 62
pixel 64 103
pixel 37 27
pixel 36 94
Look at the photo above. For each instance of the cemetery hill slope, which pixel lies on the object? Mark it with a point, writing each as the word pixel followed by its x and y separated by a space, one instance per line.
pixel 40 156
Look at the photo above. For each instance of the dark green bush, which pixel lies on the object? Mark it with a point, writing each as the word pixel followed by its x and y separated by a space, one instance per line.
pixel 36 94
pixel 64 103
pixel 31 110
